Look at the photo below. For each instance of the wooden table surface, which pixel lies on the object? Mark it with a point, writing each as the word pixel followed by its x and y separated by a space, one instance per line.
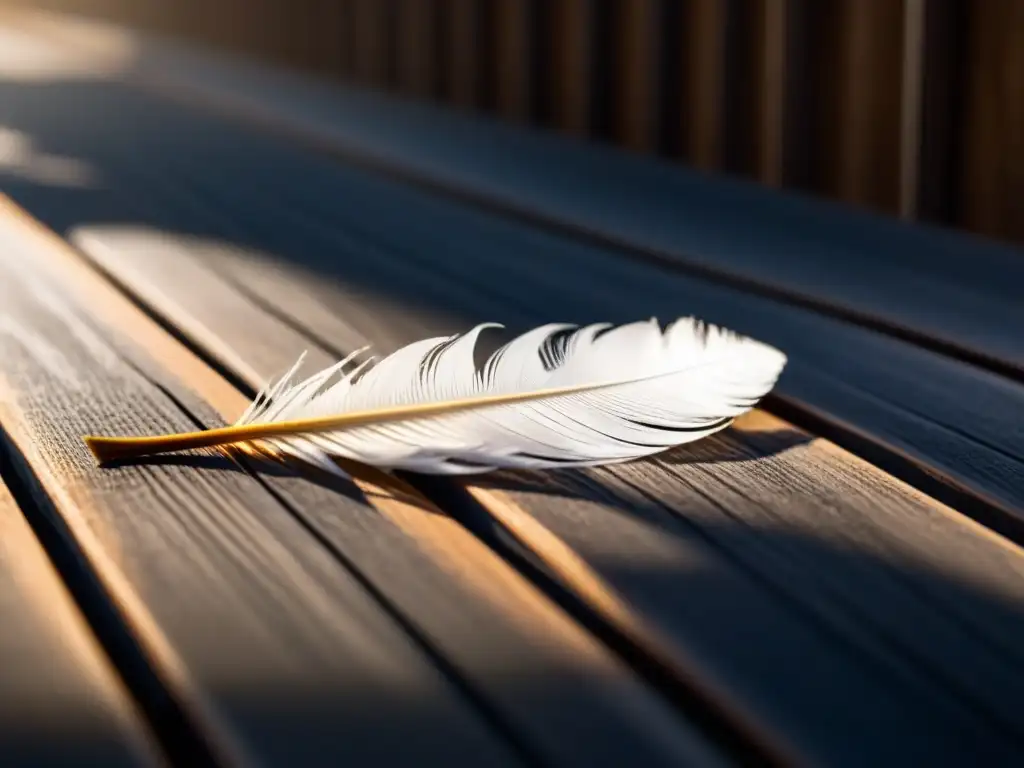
pixel 836 580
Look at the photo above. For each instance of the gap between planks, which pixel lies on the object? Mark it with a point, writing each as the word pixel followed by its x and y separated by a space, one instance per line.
pixel 447 542
pixel 141 283
pixel 583 581
pixel 450 544
pixel 56 684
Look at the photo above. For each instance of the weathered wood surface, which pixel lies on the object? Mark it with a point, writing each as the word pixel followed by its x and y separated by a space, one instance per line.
pixel 242 610
pixel 932 421
pixel 840 609
pixel 950 418
pixel 61 703
pixel 300 622
pixel 954 290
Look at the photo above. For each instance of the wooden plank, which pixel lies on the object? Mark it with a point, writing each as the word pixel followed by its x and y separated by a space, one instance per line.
pixel 454 596
pixel 61 703
pixel 948 291
pixel 569 520
pixel 953 441
pixel 742 525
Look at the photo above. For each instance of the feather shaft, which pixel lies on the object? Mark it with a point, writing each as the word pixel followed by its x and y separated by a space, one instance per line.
pixel 108 449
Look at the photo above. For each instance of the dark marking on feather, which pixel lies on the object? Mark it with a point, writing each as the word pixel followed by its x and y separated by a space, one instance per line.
pixel 552 350
pixel 702 428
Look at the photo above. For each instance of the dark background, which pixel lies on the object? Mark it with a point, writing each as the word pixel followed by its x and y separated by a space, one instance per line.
pixel 911 107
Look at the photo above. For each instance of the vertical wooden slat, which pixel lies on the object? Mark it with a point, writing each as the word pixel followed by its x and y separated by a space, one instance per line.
pixel 463 78
pixel 244 29
pixel 341 31
pixel 942 110
pixel 571 46
pixel 603 68
pixel 326 44
pixel 415 54
pixel 862 136
pixel 302 32
pixel 513 24
pixel 637 81
pixel 911 104
pixel 542 67
pixel 262 22
pixel 800 99
pixel 993 190
pixel 773 89
pixel 742 42
pixel 236 25
pixel 282 30
pixel 369 43
pixel 702 59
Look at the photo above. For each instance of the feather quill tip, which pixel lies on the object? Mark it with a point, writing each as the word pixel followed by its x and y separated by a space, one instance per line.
pixel 104 449
pixel 107 450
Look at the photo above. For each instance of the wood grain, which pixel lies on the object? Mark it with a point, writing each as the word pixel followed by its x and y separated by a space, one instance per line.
pixel 277 649
pixel 513 653
pixel 763 533
pixel 863 382
pixel 571 523
pixel 61 703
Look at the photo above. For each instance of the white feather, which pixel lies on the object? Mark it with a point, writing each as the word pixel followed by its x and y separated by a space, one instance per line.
pixel 658 389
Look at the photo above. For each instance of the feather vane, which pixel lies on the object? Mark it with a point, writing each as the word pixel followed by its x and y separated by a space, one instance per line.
pixel 556 396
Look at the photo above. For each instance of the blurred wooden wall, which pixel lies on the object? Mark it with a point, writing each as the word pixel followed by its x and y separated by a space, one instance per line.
pixel 913 107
